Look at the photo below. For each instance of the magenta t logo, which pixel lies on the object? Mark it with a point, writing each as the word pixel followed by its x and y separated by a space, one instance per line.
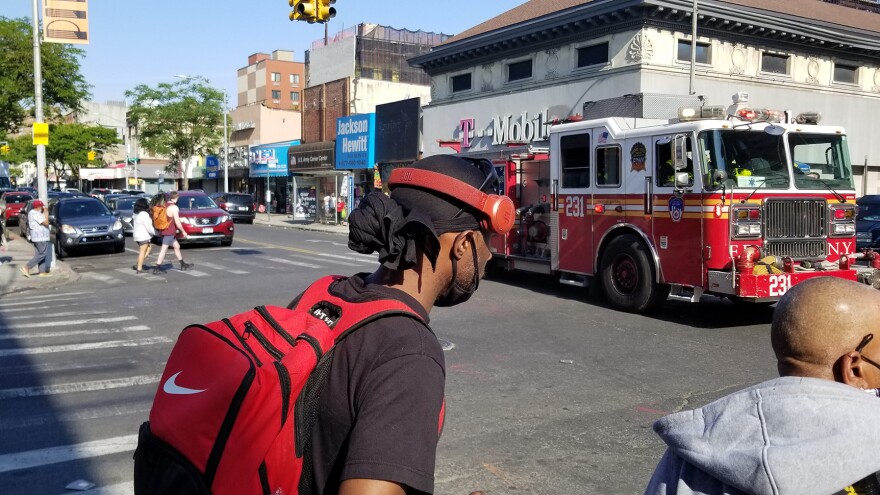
pixel 466 126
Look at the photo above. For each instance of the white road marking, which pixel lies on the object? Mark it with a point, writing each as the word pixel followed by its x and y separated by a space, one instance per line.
pixel 125 488
pixel 107 279
pixel 68 333
pixel 52 297
pixel 43 301
pixel 329 242
pixel 67 388
pixel 146 275
pixel 57 315
pixel 54 306
pixel 37 368
pixel 353 257
pixel 65 453
pixel 194 273
pixel 289 262
pixel 222 268
pixel 55 417
pixel 84 347
pixel 330 261
pixel 88 321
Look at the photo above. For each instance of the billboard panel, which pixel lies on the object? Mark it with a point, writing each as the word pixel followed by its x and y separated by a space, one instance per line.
pixel 397 131
pixel 355 142
pixel 66 21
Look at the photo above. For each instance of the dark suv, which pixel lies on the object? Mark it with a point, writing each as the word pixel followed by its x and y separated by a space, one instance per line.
pixel 240 206
pixel 82 223
pixel 868 222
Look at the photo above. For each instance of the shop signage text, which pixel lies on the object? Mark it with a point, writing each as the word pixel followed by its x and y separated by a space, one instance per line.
pixel 507 128
pixel 355 141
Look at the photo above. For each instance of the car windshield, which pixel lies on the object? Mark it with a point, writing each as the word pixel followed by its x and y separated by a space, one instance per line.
pixel 125 204
pixel 869 212
pixel 18 198
pixel 83 209
pixel 751 158
pixel 196 203
pixel 821 161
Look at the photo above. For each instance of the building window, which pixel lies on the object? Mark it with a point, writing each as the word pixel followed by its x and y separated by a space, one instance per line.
pixel 592 55
pixel 844 73
pixel 276 77
pixel 461 83
pixel 518 71
pixel 276 94
pixel 294 96
pixel 684 52
pixel 774 64
pixel 608 166
pixel 575 155
pixel 294 79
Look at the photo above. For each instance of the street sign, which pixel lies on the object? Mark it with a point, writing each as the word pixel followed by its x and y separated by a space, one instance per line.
pixel 66 21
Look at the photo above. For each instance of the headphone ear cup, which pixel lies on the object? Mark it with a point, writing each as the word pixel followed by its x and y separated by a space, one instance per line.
pixel 501 213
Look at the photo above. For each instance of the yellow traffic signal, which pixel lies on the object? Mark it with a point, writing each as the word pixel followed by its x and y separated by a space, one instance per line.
pixel 92 155
pixel 303 10
pixel 325 11
pixel 4 149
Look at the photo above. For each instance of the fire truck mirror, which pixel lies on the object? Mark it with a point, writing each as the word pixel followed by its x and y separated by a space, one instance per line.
pixel 679 153
pixel 682 180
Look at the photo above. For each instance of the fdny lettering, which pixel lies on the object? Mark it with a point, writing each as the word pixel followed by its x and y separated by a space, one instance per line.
pixel 840 248
pixel 574 206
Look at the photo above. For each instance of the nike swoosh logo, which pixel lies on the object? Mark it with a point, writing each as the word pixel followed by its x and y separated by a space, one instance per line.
pixel 174 389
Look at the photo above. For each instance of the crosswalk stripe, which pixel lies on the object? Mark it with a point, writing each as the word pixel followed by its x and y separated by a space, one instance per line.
pixel 68 333
pixel 289 262
pixel 31 369
pixel 58 315
pixel 107 279
pixel 88 321
pixel 353 257
pixel 84 347
pixel 125 488
pixel 145 275
pixel 53 296
pixel 67 388
pixel 45 300
pixel 214 266
pixel 53 306
pixel 194 273
pixel 65 453
pixel 54 417
pixel 330 261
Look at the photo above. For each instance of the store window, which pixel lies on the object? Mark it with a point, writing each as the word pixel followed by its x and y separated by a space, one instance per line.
pixel 773 63
pixel 845 73
pixel 608 166
pixel 592 55
pixel 575 156
pixel 518 71
pixel 684 52
pixel 461 83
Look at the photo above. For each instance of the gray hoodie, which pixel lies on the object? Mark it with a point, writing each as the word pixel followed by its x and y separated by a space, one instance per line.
pixel 787 436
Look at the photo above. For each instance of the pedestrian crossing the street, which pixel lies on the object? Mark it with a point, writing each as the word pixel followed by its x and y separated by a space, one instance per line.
pixel 70 362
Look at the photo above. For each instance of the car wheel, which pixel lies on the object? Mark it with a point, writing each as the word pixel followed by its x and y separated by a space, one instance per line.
pixel 60 253
pixel 628 276
pixel 226 243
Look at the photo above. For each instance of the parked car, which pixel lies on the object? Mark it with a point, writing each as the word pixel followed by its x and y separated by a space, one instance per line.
pixel 23 220
pixel 868 222
pixel 28 189
pixel 202 220
pixel 100 192
pixel 240 206
pixel 133 192
pixel 123 208
pixel 80 224
pixel 109 196
pixel 10 203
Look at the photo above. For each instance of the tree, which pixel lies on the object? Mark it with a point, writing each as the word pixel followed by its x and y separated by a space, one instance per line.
pixel 64 87
pixel 180 120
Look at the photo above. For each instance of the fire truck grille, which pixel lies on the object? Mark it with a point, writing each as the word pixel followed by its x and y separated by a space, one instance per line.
pixel 797 250
pixel 796 228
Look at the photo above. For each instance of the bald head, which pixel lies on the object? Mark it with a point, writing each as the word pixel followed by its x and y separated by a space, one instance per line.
pixel 818 321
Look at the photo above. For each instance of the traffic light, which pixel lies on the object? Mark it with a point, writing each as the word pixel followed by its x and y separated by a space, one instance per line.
pixel 4 150
pixel 92 155
pixel 303 10
pixel 325 11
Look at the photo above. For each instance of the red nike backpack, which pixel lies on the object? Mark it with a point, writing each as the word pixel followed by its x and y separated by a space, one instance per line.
pixel 236 403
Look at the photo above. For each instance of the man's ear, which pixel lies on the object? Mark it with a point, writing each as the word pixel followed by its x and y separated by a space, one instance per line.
pixel 850 370
pixel 461 244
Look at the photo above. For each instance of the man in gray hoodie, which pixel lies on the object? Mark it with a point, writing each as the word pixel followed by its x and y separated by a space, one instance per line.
pixel 815 430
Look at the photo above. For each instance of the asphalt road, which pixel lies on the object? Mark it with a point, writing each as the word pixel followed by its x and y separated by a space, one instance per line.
pixel 548 390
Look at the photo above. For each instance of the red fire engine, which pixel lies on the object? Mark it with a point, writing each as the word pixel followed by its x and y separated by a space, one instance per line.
pixel 735 202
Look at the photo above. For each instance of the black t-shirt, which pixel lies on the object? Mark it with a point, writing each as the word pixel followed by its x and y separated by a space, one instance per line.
pixel 380 412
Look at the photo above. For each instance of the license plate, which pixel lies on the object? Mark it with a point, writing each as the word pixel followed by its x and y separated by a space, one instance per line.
pixel 208 230
pixel 242 208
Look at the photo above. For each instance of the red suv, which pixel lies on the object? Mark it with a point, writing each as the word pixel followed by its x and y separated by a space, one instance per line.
pixel 10 203
pixel 203 220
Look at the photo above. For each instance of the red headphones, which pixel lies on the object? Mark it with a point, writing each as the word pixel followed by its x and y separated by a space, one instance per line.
pixel 498 210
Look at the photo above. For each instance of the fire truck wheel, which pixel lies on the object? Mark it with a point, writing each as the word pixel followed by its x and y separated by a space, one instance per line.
pixel 628 276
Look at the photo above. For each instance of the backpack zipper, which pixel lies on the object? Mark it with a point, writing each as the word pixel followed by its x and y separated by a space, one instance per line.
pixel 284 379
pixel 275 325
pixel 243 343
pixel 250 328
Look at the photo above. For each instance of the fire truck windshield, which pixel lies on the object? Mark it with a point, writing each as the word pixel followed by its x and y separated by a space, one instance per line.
pixel 820 161
pixel 751 158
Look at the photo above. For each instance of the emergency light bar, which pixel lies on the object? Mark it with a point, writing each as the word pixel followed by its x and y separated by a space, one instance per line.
pixel 760 115
pixel 808 118
pixel 687 114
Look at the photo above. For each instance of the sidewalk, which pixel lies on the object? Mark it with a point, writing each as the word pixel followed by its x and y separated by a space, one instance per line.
pixel 287 222
pixel 18 253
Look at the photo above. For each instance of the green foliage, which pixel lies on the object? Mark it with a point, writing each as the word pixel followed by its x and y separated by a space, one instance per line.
pixel 179 120
pixel 69 145
pixel 64 87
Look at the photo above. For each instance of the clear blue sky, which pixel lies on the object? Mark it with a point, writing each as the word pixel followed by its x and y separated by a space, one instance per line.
pixel 147 42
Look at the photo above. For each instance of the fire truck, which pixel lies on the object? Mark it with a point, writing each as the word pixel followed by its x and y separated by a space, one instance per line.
pixel 737 202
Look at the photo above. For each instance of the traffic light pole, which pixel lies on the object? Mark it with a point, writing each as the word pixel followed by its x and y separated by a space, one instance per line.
pixel 225 148
pixel 42 190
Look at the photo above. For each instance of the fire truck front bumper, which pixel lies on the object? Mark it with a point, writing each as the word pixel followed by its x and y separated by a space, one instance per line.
pixel 769 287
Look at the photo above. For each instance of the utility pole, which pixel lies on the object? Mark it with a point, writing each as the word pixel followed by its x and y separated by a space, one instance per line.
pixel 225 147
pixel 42 190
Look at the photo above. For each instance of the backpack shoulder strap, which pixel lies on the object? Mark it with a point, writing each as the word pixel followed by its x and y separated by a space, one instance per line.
pixel 345 316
